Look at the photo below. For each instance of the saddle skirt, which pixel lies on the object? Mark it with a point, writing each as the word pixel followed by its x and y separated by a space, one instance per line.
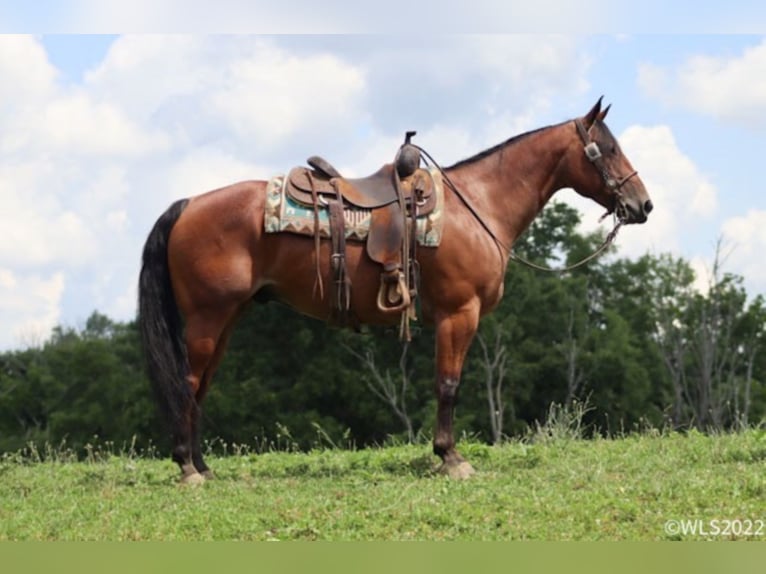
pixel 371 192
pixel 289 205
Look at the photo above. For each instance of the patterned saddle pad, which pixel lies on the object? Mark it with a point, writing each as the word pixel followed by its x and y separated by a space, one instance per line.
pixel 285 214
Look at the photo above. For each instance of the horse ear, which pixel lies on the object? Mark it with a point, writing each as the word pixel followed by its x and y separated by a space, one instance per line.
pixel 592 115
pixel 603 113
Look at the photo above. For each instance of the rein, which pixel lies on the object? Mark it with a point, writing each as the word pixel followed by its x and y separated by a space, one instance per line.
pixel 609 238
pixel 594 155
pixel 427 156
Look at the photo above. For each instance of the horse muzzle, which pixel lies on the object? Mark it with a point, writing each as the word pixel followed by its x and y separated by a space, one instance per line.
pixel 633 210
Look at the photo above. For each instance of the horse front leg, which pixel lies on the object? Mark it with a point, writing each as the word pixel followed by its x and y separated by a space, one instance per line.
pixel 454 334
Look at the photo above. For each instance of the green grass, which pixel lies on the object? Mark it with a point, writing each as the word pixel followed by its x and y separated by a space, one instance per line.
pixel 555 488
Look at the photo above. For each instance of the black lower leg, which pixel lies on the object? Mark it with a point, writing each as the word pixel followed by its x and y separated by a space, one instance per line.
pixel 199 463
pixel 182 445
pixel 444 440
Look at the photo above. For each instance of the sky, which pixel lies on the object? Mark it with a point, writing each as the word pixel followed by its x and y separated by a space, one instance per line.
pixel 100 133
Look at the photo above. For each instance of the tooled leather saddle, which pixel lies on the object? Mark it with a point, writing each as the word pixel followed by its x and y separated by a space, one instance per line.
pixel 395 195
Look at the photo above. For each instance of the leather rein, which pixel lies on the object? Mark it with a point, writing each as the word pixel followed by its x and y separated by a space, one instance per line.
pixel 593 154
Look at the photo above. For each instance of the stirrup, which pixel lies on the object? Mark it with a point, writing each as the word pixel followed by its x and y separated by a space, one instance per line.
pixel 393 293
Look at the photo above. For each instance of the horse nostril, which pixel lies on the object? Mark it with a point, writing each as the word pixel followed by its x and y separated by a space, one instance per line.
pixel 648 206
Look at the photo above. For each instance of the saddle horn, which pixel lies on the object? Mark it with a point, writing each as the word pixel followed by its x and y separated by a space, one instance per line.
pixel 408 158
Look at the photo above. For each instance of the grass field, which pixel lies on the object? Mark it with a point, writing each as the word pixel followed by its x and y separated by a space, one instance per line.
pixel 651 486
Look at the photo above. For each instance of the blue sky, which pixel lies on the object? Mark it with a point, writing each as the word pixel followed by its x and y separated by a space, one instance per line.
pixel 75 54
pixel 98 134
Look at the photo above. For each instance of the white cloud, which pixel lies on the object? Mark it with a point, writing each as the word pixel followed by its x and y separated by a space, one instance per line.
pixel 27 74
pixel 728 88
pixel 38 227
pixel 273 95
pixel 671 176
pixel 528 63
pixel 239 89
pixel 204 169
pixel 73 123
pixel 29 307
pixel 145 72
pixel 745 239
pixel 77 123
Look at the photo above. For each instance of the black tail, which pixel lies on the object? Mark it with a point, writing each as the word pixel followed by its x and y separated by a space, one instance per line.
pixel 160 322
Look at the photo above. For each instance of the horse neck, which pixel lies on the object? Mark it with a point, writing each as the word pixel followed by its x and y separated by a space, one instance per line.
pixel 510 185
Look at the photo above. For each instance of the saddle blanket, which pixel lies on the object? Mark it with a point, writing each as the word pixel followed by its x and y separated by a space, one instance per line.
pixel 284 214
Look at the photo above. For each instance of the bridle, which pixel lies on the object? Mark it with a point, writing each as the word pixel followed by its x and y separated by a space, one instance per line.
pixel 593 153
pixel 613 184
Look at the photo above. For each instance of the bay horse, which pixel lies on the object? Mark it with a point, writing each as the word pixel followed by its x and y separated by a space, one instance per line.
pixel 207 257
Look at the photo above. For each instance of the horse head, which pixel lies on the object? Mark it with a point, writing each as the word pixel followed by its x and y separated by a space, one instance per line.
pixel 604 174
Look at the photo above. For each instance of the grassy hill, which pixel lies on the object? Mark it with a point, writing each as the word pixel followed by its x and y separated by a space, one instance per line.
pixel 650 486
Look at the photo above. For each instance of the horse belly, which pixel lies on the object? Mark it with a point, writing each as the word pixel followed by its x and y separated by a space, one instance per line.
pixel 290 273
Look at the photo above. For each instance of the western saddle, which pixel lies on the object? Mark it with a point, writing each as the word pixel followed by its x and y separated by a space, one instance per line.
pixel 395 195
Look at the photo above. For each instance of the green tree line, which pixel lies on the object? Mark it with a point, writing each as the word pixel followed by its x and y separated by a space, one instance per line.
pixel 630 338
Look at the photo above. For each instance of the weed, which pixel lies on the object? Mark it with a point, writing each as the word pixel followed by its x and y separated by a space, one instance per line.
pixel 562 423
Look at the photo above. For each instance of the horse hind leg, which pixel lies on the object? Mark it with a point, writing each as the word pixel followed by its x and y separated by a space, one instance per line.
pixel 206 339
pixel 184 424
pixel 186 435
pixel 204 385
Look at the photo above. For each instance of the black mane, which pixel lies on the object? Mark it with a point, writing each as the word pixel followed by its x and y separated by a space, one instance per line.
pixel 498 147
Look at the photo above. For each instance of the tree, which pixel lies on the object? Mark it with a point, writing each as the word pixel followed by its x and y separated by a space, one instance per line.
pixel 494 359
pixel 385 387
pixel 723 335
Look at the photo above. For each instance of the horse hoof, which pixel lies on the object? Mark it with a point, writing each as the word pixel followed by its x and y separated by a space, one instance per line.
pixel 192 479
pixel 459 471
pixel 207 474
